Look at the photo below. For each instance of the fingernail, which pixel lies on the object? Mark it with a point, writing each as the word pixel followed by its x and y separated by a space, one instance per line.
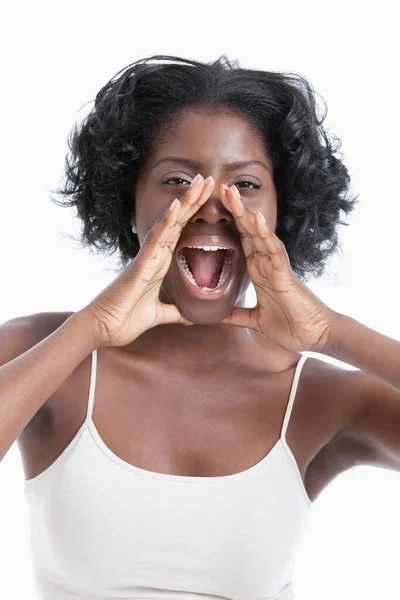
pixel 208 179
pixel 174 203
pixel 225 187
pixel 236 190
pixel 262 216
pixel 196 180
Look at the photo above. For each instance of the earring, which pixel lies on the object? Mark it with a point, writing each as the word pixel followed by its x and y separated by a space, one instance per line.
pixel 134 230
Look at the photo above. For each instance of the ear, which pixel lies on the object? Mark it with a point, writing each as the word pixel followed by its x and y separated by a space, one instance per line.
pixel 133 222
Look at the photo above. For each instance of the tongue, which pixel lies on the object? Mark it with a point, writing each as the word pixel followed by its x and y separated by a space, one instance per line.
pixel 205 265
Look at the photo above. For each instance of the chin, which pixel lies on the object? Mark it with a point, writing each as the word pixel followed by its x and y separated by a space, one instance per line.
pixel 197 319
pixel 207 313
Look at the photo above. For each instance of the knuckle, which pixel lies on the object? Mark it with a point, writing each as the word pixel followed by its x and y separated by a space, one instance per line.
pixel 149 236
pixel 163 218
pixel 280 245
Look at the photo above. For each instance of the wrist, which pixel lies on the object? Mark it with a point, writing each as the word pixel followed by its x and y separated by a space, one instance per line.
pixel 328 342
pixel 85 321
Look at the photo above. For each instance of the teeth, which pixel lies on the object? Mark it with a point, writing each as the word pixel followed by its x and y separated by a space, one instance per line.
pixel 226 270
pixel 208 248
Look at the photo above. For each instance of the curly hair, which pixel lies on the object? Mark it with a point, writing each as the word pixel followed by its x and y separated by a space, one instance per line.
pixel 140 104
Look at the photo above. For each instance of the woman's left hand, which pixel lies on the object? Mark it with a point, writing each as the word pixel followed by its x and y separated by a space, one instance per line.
pixel 287 311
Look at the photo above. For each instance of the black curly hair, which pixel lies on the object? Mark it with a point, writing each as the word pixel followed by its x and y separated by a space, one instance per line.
pixel 140 103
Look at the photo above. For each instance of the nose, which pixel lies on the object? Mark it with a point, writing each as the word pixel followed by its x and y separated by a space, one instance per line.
pixel 213 211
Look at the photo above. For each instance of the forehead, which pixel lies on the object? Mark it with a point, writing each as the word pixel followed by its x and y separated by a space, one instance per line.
pixel 211 138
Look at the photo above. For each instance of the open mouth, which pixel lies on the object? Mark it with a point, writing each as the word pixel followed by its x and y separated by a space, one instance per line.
pixel 207 270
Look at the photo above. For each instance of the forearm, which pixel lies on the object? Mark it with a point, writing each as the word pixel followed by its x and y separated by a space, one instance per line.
pixel 30 379
pixel 364 348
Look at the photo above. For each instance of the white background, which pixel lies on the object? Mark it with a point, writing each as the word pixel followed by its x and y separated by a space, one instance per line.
pixel 55 57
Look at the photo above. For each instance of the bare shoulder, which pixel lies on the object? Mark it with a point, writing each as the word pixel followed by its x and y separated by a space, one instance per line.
pixel 341 392
pixel 338 386
pixel 21 333
pixel 357 416
pixel 368 410
pixel 372 419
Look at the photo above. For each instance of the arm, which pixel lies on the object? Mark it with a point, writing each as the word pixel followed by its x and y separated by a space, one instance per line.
pixel 28 380
pixel 358 345
pixel 371 396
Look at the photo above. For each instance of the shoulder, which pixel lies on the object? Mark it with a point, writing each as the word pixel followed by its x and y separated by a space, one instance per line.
pixel 44 323
pixel 324 403
pixel 19 334
pixel 365 414
pixel 337 386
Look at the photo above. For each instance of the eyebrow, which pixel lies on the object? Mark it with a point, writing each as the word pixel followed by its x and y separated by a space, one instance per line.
pixel 196 165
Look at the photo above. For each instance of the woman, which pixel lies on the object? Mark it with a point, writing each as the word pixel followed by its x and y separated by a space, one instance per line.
pixel 170 448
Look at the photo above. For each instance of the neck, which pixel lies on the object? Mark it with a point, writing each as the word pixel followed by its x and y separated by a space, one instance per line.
pixel 200 346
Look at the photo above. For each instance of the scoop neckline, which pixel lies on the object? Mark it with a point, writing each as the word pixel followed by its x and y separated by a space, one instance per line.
pixel 281 442
pixel 189 478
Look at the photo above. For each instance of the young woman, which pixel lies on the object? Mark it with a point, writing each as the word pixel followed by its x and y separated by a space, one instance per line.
pixel 173 440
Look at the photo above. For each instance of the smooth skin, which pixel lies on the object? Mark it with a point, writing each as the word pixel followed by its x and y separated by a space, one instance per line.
pixel 341 417
pixel 130 305
pixel 209 141
pixel 288 316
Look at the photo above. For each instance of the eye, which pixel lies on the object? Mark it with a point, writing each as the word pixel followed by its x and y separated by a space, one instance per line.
pixel 175 179
pixel 256 186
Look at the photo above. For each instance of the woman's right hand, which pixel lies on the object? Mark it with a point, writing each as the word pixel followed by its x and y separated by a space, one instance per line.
pixel 129 305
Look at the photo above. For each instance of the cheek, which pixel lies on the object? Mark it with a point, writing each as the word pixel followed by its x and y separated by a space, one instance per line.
pixel 145 220
pixel 148 207
pixel 272 218
pixel 271 211
pixel 268 207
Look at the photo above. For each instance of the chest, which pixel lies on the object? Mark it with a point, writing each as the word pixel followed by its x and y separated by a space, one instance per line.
pixel 217 423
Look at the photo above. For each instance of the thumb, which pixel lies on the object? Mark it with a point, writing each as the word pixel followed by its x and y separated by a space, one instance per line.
pixel 240 317
pixel 170 315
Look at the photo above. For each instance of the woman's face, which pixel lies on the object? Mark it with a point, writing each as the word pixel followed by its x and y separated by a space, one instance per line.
pixel 205 143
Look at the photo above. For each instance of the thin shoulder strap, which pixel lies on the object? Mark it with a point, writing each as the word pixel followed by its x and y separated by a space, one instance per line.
pixel 292 395
pixel 92 385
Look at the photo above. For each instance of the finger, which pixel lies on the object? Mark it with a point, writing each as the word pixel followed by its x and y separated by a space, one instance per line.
pixel 195 197
pixel 244 219
pixel 169 314
pixel 275 247
pixel 162 238
pixel 241 317
pixel 154 255
pixel 191 202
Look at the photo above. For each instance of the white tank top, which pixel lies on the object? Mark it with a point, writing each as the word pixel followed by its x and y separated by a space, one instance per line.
pixel 101 528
